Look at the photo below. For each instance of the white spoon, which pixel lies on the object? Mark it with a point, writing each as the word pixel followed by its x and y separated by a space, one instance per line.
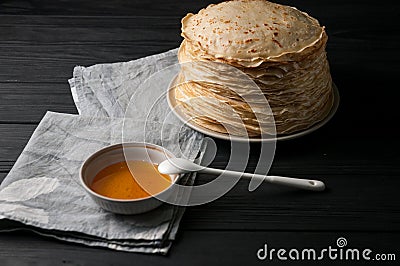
pixel 180 166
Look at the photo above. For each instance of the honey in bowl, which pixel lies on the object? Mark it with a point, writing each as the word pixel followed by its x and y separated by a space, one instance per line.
pixel 130 180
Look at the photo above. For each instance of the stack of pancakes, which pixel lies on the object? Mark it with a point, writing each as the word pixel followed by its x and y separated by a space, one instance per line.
pixel 279 48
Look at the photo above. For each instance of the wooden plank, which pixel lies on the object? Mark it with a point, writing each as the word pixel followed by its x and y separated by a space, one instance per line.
pixel 161 8
pixel 29 62
pixel 53 45
pixel 103 8
pixel 14 138
pixel 45 49
pixel 306 153
pixel 352 202
pixel 354 117
pixel 48 52
pixel 28 102
pixel 197 248
pixel 55 63
pixel 2 176
pixel 361 177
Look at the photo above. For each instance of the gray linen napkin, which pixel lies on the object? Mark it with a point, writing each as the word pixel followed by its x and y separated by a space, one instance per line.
pixel 107 89
pixel 41 193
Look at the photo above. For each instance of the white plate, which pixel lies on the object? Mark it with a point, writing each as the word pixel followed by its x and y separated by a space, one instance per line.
pixel 187 120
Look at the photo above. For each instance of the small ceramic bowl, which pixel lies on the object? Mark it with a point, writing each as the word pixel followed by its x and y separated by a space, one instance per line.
pixel 118 153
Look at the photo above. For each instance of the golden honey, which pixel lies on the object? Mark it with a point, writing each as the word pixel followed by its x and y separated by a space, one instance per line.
pixel 130 180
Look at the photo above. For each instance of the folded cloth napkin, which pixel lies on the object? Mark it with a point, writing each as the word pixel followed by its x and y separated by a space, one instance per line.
pixel 42 193
pixel 107 89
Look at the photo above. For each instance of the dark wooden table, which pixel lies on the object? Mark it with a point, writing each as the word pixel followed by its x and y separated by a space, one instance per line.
pixel 356 153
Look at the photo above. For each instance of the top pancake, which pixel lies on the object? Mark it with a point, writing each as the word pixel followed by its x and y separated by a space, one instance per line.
pixel 251 31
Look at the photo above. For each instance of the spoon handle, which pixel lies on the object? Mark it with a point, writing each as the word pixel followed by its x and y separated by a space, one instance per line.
pixel 307 184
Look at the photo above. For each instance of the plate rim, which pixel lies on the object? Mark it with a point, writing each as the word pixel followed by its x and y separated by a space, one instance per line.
pixel 186 120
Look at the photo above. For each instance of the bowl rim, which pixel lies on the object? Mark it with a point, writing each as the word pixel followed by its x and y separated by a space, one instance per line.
pixel 119 146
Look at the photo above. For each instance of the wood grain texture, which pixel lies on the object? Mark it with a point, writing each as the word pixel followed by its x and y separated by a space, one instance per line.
pixel 362 186
pixel 356 153
pixel 45 49
pixel 17 98
pixel 194 248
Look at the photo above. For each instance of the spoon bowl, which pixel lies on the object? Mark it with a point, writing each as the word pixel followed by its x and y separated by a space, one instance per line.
pixel 178 166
